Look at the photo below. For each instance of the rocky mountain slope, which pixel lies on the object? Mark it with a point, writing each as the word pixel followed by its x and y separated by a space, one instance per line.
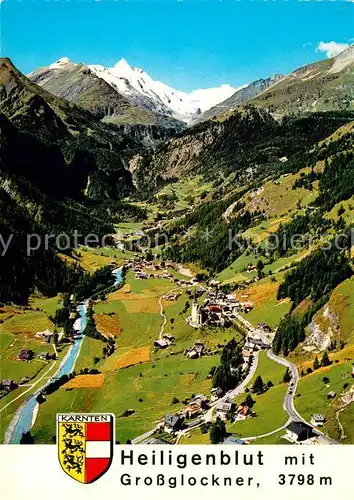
pixel 144 92
pixel 79 84
pixel 247 142
pixel 322 86
pixel 241 96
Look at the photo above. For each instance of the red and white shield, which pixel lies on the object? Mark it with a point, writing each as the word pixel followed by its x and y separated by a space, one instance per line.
pixel 85 444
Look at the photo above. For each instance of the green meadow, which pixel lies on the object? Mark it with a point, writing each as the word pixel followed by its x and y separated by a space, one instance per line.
pixel 148 389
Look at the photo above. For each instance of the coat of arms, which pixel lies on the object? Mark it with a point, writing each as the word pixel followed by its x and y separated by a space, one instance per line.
pixel 85 444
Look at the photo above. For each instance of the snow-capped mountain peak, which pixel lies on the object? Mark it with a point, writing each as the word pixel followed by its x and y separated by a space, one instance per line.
pixel 61 63
pixel 143 91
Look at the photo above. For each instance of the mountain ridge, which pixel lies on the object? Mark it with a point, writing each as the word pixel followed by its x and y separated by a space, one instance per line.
pixel 137 85
pixel 78 84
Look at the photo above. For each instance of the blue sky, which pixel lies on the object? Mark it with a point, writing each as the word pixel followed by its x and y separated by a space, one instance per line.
pixel 186 44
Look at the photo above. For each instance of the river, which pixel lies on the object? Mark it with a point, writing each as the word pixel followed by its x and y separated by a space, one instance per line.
pixel 25 416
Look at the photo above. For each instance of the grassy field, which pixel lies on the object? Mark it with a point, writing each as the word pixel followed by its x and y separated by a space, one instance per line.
pixel 90 349
pixel 269 370
pixel 92 259
pixel 24 321
pixel 86 382
pixel 237 270
pixel 269 414
pixel 313 391
pixel 186 192
pixel 195 437
pixel 263 295
pixel 268 406
pixel 347 419
pixel 278 198
pixel 263 230
pixel 10 366
pixel 276 438
pixel 108 325
pixel 48 305
pixel 9 404
pixel 156 384
pixel 348 214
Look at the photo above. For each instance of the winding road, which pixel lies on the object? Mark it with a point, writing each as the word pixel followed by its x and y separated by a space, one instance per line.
pixel 288 403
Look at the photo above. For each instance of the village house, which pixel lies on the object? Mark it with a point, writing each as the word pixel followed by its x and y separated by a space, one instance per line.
pixel 161 344
pixel 264 326
pixel 250 346
pixel 173 423
pixel 171 296
pixel 331 395
pixel 246 355
pixel 297 432
pixel 246 307
pixel 254 342
pixel 192 410
pixel 140 275
pixel 216 393
pixel 196 351
pixel 318 420
pixel 47 335
pixel 201 400
pixel 242 412
pixel 223 408
pixel 25 355
pixel 166 341
pixel 348 397
pixel 9 384
pixel 44 356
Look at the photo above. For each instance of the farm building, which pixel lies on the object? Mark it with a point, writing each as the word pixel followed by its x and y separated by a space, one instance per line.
pixel 9 384
pixel 173 423
pixel 216 393
pixel 298 431
pixel 44 356
pixel 25 355
pixel 161 344
pixel 223 407
pixel 318 420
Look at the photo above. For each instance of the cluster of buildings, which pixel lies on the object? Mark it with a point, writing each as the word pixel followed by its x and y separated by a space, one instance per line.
pixel 47 336
pixel 226 409
pixel 144 269
pixel 166 340
pixel 175 422
pixel 218 309
pixel 196 406
pixel 28 355
pixel 197 350
pixel 224 405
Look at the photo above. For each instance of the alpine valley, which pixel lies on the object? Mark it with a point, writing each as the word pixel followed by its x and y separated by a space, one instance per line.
pixel 182 260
